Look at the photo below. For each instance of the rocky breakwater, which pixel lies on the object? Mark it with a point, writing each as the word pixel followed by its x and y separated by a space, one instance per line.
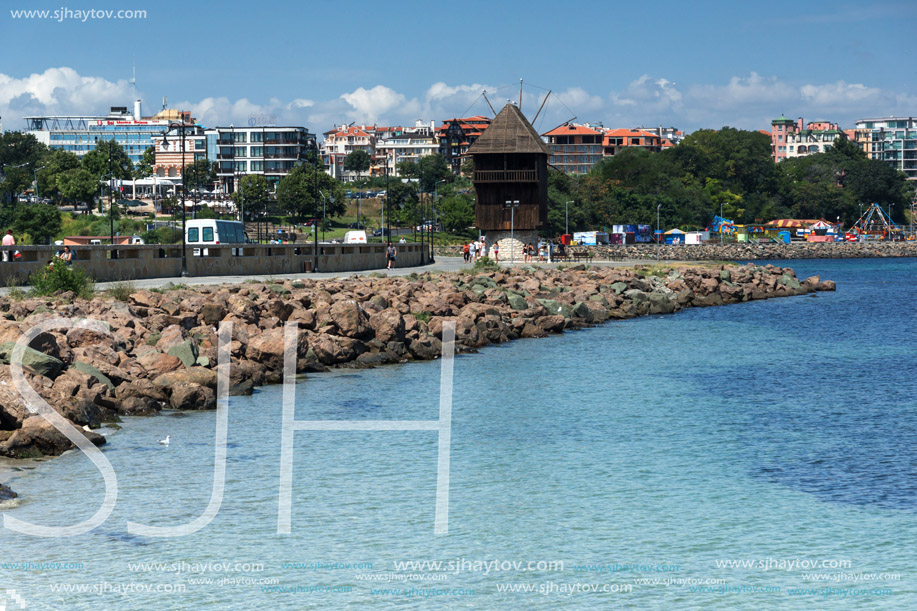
pixel 712 251
pixel 161 352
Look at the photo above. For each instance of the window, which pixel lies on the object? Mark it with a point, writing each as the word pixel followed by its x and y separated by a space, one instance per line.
pixel 193 234
pixel 207 234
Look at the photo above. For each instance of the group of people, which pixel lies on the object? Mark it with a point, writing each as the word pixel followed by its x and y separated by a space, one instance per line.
pixel 476 249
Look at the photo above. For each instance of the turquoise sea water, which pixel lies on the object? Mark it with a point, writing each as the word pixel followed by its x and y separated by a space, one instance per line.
pixel 703 460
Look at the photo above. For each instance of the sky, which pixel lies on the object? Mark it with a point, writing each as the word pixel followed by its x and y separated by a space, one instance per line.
pixel 321 63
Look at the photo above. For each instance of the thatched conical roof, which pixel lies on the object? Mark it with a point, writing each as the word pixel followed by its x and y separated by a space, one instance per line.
pixel 510 132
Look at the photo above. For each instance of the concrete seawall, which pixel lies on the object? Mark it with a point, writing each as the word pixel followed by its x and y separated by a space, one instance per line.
pixel 112 263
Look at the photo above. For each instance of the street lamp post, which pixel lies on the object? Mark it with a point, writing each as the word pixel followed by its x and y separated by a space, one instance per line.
pixel 567 216
pixel 315 199
pixel 512 205
pixel 658 235
pixel 181 127
pixel 434 215
pixel 111 189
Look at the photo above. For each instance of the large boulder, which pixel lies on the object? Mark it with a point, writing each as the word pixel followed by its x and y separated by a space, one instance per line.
pixel 33 361
pixel 156 363
pixel 388 325
pixel 350 319
pixel 192 375
pixel 38 437
pixel 191 396
pixel 6 494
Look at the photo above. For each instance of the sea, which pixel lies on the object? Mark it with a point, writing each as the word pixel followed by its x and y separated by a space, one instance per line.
pixel 752 456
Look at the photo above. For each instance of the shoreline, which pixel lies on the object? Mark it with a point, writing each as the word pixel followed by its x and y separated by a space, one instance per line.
pixel 162 350
pixel 711 251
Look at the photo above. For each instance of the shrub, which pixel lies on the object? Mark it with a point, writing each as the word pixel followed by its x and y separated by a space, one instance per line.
pixel 486 263
pixel 122 290
pixel 62 277
pixel 422 316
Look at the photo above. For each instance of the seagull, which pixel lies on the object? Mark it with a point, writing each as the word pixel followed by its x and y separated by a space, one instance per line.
pixel 165 441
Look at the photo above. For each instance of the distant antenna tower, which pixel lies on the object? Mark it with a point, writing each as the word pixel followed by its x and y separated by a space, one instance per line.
pixel 134 78
pixel 165 102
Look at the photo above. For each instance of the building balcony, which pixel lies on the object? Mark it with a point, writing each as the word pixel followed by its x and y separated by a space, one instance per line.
pixel 225 156
pixel 505 176
pixel 225 142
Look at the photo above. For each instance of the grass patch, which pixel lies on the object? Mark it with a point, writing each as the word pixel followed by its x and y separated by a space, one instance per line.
pixel 122 290
pixel 422 316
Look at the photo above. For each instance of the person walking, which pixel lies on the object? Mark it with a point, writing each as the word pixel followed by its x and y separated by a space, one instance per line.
pixel 496 250
pixel 8 240
pixel 466 251
pixel 473 251
pixel 390 253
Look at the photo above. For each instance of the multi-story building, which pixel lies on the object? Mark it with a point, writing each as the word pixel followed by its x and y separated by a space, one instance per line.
pixel 238 151
pixel 271 151
pixel 892 140
pixel 574 148
pixel 404 144
pixel 818 137
pixel 456 135
pixel 79 133
pixel 342 141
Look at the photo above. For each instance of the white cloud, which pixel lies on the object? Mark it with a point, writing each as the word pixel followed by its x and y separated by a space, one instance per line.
pixel 371 104
pixel 748 101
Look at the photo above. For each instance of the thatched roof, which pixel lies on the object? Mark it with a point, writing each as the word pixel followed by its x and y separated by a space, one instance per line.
pixel 510 132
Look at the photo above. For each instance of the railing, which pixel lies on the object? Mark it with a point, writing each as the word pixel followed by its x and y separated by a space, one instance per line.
pixel 505 176
pixel 225 156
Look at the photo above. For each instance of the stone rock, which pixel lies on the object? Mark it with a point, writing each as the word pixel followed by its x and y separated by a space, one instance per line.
pixel 6 494
pixel 517 302
pixel 426 348
pixel 156 363
pixel 388 325
pixel 186 352
pixel 192 375
pixel 334 349
pixel 38 437
pixel 138 406
pixel 350 319
pixel 212 313
pixel 33 361
pixel 92 371
pixel 191 396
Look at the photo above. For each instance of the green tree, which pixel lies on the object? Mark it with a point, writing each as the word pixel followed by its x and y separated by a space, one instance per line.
pixel 41 221
pixel 147 161
pixel 456 212
pixel 200 174
pixel 253 193
pixel 430 170
pixel 299 194
pixel 78 186
pixel 108 160
pixel 357 161
pixel 20 155
pixel 55 165
pixel 401 202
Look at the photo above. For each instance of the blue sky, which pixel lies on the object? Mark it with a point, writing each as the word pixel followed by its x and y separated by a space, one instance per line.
pixel 320 62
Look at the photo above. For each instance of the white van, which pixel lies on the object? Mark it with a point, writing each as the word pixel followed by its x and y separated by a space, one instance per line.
pixel 212 231
pixel 355 237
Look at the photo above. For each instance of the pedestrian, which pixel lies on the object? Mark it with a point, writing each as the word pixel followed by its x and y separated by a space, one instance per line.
pixel 465 252
pixel 390 253
pixel 8 240
pixel 496 250
pixel 482 248
pixel 67 256
pixel 473 250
